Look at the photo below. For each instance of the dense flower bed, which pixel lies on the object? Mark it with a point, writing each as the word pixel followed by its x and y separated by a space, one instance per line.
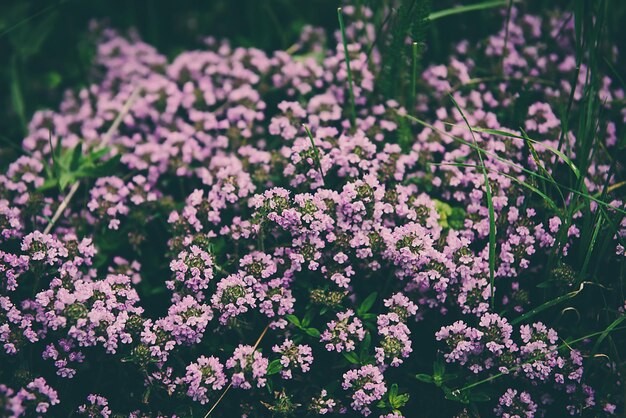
pixel 248 233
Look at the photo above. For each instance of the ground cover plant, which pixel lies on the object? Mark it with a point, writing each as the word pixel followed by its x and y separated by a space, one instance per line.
pixel 354 225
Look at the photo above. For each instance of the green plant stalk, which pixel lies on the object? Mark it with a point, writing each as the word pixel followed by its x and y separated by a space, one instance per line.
pixel 468 8
pixel 346 53
pixel 414 77
pixel 17 98
pixel 506 34
pixel 315 152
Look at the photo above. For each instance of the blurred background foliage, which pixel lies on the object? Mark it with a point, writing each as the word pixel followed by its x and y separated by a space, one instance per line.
pixel 46 46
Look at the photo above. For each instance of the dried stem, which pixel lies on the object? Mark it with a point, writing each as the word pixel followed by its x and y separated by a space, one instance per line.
pixel 256 344
pixel 105 141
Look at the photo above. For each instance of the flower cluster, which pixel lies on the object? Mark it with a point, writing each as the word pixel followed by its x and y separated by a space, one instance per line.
pixel 97 407
pixel 193 269
pixel 366 385
pixel 293 356
pixel 343 333
pixel 249 366
pixel 203 377
pixel 262 196
pixel 33 399
pixel 513 405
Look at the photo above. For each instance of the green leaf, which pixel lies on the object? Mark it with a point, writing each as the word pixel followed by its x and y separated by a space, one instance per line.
pixel 57 151
pixel 274 367
pixel 53 154
pixel 316 152
pixel 449 376
pixel 548 284
pixel 308 317
pixel 553 150
pixel 398 401
pixel 48 184
pixel 439 368
pixel 367 342
pixel 313 332
pixel 99 153
pixel 351 357
pixel 424 378
pixel 101 170
pixel 370 324
pixel 367 304
pixel 444 210
pixel 509 163
pixel 456 395
pixel 479 397
pixel 65 179
pixel 318 56
pixel 53 79
pixel 393 391
pixel 294 320
pixel 77 154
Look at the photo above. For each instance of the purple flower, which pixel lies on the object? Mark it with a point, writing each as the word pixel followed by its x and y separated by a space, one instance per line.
pixel 97 407
pixel 193 269
pixel 35 398
pixel 293 356
pixel 203 377
pixel 395 340
pixel 248 367
pixel 366 386
pixel 234 296
pixel 343 333
pixel 514 405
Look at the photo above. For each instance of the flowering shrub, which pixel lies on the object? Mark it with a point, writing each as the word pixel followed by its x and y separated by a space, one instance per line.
pixel 253 234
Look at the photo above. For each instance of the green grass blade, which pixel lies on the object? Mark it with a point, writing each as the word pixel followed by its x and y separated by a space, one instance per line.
pixel 414 76
pixel 510 163
pixel 547 305
pixel 345 51
pixel 555 151
pixel 492 215
pixel 522 183
pixel 606 333
pixel 315 152
pixel 541 167
pixel 591 245
pixel 31 17
pixel 17 98
pixel 468 8
pixel 506 34
pixel 11 144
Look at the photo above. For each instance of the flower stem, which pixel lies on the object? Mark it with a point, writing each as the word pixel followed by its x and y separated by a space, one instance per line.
pixel 345 51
